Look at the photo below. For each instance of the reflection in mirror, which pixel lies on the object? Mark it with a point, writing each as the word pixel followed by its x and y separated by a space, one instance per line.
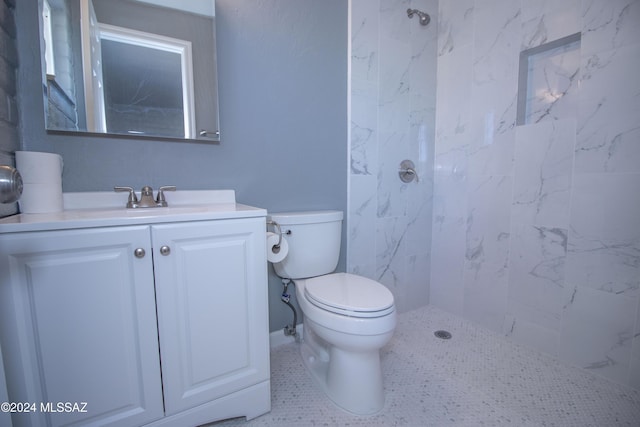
pixel 131 67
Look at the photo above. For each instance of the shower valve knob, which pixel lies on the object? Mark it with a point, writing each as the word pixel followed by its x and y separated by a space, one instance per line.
pixel 408 172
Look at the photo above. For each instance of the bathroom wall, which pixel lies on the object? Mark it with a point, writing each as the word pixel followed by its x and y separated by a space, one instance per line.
pixel 283 110
pixel 392 118
pixel 536 227
pixel 9 134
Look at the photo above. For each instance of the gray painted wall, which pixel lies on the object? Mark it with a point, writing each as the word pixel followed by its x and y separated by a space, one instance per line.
pixel 282 67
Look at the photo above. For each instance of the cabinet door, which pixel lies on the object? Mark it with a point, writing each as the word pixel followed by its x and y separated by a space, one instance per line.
pixel 5 417
pixel 211 291
pixel 78 325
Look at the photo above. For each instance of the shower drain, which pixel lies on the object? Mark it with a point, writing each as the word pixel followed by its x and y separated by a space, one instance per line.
pixel 442 335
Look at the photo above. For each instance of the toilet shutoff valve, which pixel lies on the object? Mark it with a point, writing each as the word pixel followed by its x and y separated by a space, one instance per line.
pixel 285 297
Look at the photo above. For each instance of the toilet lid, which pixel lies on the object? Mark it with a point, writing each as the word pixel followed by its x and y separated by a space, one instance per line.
pixel 349 295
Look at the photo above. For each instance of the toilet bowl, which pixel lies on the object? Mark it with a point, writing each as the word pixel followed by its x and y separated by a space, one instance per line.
pixel 347 318
pixel 341 347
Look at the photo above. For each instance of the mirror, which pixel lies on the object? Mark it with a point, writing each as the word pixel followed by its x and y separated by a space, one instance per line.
pixel 140 68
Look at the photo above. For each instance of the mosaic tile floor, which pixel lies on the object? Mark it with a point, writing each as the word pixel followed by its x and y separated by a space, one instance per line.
pixel 476 378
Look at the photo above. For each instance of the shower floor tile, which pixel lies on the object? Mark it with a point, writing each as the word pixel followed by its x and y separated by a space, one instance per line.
pixel 476 378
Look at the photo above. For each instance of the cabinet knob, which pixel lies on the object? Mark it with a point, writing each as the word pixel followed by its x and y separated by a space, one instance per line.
pixel 165 250
pixel 139 253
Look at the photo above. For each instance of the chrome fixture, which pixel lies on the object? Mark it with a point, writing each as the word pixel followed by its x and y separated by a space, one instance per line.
pixel 408 172
pixel 209 133
pixel 160 200
pixel 443 335
pixel 10 184
pixel 278 229
pixel 289 330
pixel 424 17
pixel 146 197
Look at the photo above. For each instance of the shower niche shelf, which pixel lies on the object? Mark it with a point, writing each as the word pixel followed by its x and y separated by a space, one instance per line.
pixel 548 81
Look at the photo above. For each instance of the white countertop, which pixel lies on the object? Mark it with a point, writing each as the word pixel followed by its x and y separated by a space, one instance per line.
pixel 107 209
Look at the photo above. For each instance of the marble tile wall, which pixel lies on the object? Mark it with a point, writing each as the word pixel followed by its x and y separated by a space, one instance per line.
pixel 536 227
pixel 393 71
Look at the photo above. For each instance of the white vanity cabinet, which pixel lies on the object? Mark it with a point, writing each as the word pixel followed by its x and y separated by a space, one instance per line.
pixel 79 325
pixel 211 293
pixel 5 417
pixel 164 323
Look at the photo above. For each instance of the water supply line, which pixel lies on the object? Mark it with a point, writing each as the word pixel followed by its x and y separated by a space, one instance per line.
pixel 289 330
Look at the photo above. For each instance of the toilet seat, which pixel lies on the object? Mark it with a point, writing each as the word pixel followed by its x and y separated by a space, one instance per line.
pixel 349 295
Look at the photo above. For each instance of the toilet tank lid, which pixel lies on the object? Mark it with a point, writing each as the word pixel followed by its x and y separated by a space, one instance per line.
pixel 308 217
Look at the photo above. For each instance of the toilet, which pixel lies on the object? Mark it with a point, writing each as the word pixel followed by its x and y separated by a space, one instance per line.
pixel 347 318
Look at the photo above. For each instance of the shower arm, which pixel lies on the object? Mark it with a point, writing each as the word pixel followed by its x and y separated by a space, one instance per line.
pixel 424 17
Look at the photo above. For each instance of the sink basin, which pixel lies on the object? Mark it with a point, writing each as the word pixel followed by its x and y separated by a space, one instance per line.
pixel 113 200
pixel 106 208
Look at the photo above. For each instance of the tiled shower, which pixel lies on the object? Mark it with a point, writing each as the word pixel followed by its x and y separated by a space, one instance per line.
pixel 393 75
pixel 523 119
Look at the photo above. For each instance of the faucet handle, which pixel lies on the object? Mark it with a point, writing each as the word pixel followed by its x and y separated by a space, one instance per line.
pixel 133 199
pixel 408 172
pixel 160 200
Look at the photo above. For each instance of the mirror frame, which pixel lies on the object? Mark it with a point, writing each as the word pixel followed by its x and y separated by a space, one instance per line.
pixel 201 135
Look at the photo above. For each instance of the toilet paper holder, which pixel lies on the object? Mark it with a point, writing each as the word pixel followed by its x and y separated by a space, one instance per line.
pixel 278 231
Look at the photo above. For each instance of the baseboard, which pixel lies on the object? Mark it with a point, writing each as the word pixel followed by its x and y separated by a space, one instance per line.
pixel 278 338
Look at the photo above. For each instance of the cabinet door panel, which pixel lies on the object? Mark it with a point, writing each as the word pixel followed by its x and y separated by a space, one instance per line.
pixel 212 309
pixel 84 325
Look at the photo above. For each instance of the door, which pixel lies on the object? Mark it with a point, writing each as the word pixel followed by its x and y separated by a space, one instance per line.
pixel 92 68
pixel 211 289
pixel 78 326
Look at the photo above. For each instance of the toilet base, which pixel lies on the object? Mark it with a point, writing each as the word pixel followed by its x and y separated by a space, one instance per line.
pixel 352 380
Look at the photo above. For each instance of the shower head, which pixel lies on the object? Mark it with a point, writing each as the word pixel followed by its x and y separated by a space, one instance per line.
pixel 424 17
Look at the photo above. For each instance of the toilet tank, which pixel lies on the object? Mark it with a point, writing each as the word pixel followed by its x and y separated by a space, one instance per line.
pixel 314 243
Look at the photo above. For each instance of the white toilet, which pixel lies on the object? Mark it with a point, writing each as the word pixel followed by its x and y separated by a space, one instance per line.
pixel 347 318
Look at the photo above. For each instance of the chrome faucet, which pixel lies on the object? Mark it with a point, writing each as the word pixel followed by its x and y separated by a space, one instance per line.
pixel 146 197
